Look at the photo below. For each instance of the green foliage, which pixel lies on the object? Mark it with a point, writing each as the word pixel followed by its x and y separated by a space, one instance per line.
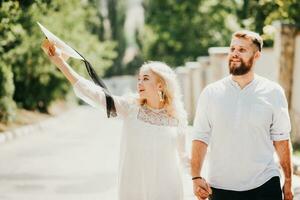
pixel 37 82
pixel 10 31
pixel 116 15
pixel 259 15
pixel 7 104
pixel 283 10
pixel 180 31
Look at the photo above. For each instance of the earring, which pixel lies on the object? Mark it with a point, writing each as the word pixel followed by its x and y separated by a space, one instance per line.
pixel 161 96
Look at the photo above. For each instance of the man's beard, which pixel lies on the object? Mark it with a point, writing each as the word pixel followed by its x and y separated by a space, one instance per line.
pixel 242 69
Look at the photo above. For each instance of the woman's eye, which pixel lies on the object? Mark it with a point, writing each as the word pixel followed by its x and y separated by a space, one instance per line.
pixel 145 79
pixel 242 50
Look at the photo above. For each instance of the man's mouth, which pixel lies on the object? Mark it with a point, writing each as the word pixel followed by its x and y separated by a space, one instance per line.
pixel 235 60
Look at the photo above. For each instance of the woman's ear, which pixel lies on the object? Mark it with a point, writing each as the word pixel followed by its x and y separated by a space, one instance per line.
pixel 159 85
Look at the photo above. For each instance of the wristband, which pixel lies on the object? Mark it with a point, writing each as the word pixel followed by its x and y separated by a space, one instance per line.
pixel 197 177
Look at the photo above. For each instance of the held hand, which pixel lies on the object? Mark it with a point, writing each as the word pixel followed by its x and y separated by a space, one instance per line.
pixel 202 189
pixel 287 191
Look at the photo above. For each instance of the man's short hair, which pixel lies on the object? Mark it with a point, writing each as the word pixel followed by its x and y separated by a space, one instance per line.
pixel 250 35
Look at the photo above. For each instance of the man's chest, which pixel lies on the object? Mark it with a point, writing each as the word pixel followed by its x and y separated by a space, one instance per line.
pixel 241 109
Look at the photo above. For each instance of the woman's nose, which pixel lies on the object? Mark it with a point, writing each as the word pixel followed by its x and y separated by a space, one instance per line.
pixel 139 83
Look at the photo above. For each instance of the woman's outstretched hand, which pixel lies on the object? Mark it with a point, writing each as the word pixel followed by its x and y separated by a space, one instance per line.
pixel 59 59
pixel 53 53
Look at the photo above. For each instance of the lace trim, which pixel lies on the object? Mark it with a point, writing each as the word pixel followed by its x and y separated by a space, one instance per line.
pixel 156 117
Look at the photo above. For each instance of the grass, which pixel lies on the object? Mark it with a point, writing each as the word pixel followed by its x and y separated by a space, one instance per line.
pixel 23 117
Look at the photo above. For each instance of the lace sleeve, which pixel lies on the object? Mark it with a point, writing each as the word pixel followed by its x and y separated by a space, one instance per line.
pixel 93 95
pixel 181 149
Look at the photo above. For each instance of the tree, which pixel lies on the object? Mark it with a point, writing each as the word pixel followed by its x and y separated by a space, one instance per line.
pixel 10 31
pixel 36 81
pixel 179 31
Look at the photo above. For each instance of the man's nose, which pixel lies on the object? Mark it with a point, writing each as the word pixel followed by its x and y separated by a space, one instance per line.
pixel 234 54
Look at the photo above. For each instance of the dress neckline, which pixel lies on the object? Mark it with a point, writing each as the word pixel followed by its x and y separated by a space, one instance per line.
pixel 154 116
pixel 154 109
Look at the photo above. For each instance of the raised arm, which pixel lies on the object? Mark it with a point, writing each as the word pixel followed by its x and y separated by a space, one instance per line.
pixel 57 59
pixel 84 89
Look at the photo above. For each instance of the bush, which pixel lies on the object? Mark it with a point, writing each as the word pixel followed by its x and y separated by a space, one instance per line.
pixel 7 104
pixel 37 82
pixel 10 30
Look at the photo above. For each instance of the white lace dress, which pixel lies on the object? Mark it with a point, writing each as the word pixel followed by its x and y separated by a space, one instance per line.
pixel 150 143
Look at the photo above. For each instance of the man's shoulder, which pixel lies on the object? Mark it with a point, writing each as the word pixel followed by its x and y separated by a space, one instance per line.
pixel 265 82
pixel 269 86
pixel 218 84
pixel 215 88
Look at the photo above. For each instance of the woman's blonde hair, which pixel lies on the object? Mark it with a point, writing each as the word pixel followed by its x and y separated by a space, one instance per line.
pixel 171 91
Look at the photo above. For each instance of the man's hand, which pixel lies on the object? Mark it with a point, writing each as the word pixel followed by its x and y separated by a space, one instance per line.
pixel 284 151
pixel 287 190
pixel 202 189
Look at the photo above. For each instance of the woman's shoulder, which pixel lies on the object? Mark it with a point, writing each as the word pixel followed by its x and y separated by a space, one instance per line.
pixel 130 101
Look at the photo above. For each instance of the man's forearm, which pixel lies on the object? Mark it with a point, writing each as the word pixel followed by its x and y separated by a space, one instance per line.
pixel 199 150
pixel 284 152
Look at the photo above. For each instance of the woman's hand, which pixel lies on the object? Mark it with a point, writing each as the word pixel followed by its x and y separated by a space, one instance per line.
pixel 59 59
pixel 53 53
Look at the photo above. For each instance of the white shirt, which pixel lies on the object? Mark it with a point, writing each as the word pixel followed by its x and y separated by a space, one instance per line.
pixel 239 126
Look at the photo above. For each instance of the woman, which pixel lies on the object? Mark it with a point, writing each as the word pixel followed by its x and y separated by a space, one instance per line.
pixel 153 132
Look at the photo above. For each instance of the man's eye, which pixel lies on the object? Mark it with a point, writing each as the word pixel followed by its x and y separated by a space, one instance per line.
pixel 242 50
pixel 145 79
pixel 232 49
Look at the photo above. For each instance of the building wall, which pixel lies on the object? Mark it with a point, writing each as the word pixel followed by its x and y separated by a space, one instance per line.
pixel 296 92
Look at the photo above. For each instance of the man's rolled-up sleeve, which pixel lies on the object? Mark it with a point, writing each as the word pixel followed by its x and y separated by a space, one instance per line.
pixel 281 124
pixel 202 125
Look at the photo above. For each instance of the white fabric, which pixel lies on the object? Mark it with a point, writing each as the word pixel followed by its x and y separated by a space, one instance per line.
pixel 150 144
pixel 61 45
pixel 239 126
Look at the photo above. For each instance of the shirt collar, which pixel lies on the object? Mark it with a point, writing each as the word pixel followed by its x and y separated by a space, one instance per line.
pixel 236 85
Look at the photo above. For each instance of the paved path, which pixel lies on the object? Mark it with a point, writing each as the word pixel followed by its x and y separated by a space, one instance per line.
pixel 74 159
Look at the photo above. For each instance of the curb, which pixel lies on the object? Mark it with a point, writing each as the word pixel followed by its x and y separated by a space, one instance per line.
pixel 13 134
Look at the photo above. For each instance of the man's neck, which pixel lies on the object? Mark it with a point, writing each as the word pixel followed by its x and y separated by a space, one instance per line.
pixel 244 80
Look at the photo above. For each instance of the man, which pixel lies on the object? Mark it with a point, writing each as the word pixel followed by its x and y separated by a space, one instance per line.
pixel 240 122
